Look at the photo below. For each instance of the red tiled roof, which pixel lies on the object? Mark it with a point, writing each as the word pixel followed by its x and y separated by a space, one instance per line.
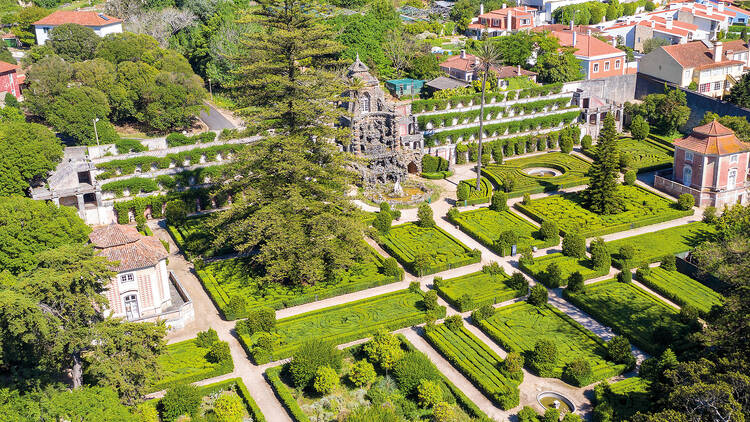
pixel 712 139
pixel 581 29
pixel 512 71
pixel 128 247
pixel 465 64
pixel 697 55
pixel 586 45
pixel 660 27
pixel 81 18
pixel 503 13
pixel 7 67
pixel 735 46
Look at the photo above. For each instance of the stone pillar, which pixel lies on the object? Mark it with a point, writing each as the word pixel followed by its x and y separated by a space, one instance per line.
pixel 56 201
pixel 81 206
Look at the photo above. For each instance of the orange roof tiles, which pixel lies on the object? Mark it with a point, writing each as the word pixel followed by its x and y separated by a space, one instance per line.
pixel 697 55
pixel 61 17
pixel 503 13
pixel 7 67
pixel 586 45
pixel 712 139
pixel 128 247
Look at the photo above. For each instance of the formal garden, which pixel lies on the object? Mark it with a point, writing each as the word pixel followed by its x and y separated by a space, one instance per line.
pixel 194 238
pixel 487 287
pixel 496 378
pixel 644 319
pixel 680 288
pixel 490 227
pixel 539 173
pixel 643 155
pixel 426 250
pixel 640 207
pixel 552 343
pixel 383 379
pixel 652 247
pixel 539 268
pixel 468 194
pixel 194 360
pixel 274 340
pixel 621 400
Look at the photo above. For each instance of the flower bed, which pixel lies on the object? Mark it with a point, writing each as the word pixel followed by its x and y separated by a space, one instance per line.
pixel 651 247
pixel 519 326
pixel 681 289
pixel 481 196
pixel 406 241
pixel 185 362
pixel 486 225
pixel 641 208
pixel 474 290
pixel 478 363
pixel 647 321
pixel 568 265
pixel 342 323
pixel 573 171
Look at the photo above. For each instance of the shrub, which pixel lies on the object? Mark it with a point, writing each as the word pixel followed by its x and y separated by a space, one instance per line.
pixel 586 142
pixel 176 212
pixel 639 128
pixel 492 268
pixel 229 407
pixel 484 312
pixel 526 199
pixel 669 263
pixel 625 276
pixel 206 338
pixel 453 214
pixel 527 414
pixel 643 271
pixel 454 322
pixel 549 230
pixel 429 393
pixel 630 177
pixel 311 355
pixel 709 215
pixel 627 252
pixel 538 295
pixel 362 373
pixel 551 415
pixel 326 380
pixel 219 352
pixel 513 362
pixel 499 201
pixel 384 349
pixel 566 145
pixel 508 183
pixel 237 305
pixel 443 412
pixel 424 216
pixel 575 282
pixel 260 320
pixel 414 287
pixel 618 351
pixel 429 164
pixel 685 201
pixel 574 245
pixel 431 300
pixel 410 370
pixel 544 357
pixel 391 268
pixel 553 276
pixel 626 160
pixel 462 192
pixel 600 255
pixel 182 399
pixel 577 372
pixel 382 222
pixel 507 238
pixel 517 281
pixel 571 417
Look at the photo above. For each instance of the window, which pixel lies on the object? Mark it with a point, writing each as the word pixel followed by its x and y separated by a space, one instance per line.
pixel 127 278
pixel 617 64
pixel 365 103
pixel 704 87
pixel 732 180
pixel 717 86
pixel 689 156
pixel 596 67
pixel 734 158
pixel 687 176
pixel 131 307
pixel 606 65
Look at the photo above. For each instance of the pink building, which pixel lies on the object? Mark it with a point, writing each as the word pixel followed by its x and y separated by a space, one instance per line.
pixel 9 79
pixel 503 21
pixel 712 165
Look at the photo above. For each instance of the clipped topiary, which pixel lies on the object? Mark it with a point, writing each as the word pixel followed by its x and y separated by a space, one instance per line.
pixel 630 177
pixel 362 373
pixel 429 393
pixel 182 399
pixel 685 201
pixel 538 295
pixel 577 372
pixel 669 263
pixel 575 282
pixel 326 380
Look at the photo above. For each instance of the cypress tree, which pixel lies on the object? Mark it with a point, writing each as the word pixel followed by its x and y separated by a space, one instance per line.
pixel 601 196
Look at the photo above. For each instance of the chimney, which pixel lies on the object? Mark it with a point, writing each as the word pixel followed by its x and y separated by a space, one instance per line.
pixel 463 54
pixel 481 8
pixel 503 6
pixel 653 24
pixel 717 51
pixel 509 24
pixel 588 32
pixel 614 42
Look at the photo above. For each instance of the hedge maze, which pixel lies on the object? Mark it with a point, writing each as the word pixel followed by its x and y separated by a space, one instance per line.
pixel 645 156
pixel 186 362
pixel 439 250
pixel 641 208
pixel 481 196
pixel 474 290
pixel 519 326
pixel 477 362
pixel 568 265
pixel 651 247
pixel 573 171
pixel 681 289
pixel 486 226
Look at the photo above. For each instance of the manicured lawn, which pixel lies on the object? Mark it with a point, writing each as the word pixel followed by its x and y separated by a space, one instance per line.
pixel 641 208
pixel 474 290
pixel 573 173
pixel 443 252
pixel 233 277
pixel 647 155
pixel 185 362
pixel 343 323
pixel 486 226
pixel 682 289
pixel 305 406
pixel 651 247
pixel 647 321
pixel 478 363
pixel 519 326
pixel 568 265
pixel 481 196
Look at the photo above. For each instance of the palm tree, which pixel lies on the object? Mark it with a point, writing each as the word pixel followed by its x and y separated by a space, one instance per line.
pixel 489 57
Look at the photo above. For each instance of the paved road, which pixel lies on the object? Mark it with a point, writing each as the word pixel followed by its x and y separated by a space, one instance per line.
pixel 215 120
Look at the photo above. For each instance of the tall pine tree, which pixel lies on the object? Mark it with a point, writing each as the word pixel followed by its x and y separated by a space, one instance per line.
pixel 601 196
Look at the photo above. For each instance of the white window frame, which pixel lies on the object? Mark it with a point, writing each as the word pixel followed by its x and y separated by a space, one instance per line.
pixel 617 64
pixel 596 68
pixel 717 85
pixel 689 156
pixel 127 278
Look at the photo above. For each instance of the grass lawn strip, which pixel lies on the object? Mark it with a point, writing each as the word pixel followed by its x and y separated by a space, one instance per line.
pixel 641 208
pixel 628 310
pixel 184 362
pixel 406 241
pixel 568 265
pixel 519 326
pixel 651 247
pixel 682 289
pixel 477 363
pixel 573 173
pixel 480 288
pixel 486 226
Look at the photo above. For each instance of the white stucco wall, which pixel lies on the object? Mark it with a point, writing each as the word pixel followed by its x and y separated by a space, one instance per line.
pixel 42 31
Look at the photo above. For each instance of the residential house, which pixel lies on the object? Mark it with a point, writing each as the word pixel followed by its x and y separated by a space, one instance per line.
pixel 143 289
pixel 741 16
pixel 711 164
pixel 463 67
pixel 598 58
pixel 709 18
pixel 502 21
pixel 442 83
pixel 101 24
pixel 547 7
pixel 714 67
pixel 634 32
pixel 9 79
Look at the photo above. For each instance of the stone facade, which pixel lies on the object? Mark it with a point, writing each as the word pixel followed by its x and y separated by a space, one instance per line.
pixel 384 134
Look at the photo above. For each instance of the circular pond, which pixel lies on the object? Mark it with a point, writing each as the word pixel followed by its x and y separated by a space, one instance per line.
pixel 542 172
pixel 552 400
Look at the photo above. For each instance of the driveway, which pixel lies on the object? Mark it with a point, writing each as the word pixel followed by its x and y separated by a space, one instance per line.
pixel 215 120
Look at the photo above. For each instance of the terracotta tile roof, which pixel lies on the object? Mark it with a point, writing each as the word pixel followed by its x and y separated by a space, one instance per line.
pixel 81 18
pixel 697 54
pixel 586 45
pixel 7 67
pixel 735 46
pixel 661 27
pixel 581 29
pixel 512 71
pixel 503 13
pixel 128 247
pixel 466 63
pixel 712 139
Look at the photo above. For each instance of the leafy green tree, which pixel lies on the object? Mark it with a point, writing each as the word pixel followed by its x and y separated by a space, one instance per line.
pixel 424 67
pixel 229 407
pixel 664 112
pixel 74 111
pixel 574 245
pixel 601 196
pixel 311 355
pixel 538 295
pixel 544 356
pixel 24 29
pixel 618 351
pixel 549 230
pixel 614 10
pixel 575 282
pixel 555 64
pixel 424 216
pixel 83 404
pixel 738 124
pixel 429 393
pixel 172 101
pixel 6 56
pixel 383 222
pixel 362 373
pixel 47 79
pixel 515 49
pixel 182 399
pixel 652 44
pixel 384 349
pixel 499 201
pixel 462 192
pixel 9 113
pixel 30 151
pixel 73 42
pixel 600 254
pixel 639 128
pixel 326 380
